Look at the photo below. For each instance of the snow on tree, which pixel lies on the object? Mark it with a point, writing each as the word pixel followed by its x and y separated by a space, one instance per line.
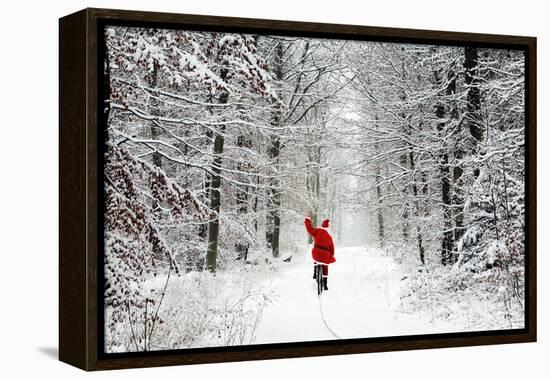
pixel 219 143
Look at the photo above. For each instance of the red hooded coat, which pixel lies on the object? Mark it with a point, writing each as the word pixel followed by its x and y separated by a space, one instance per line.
pixel 323 249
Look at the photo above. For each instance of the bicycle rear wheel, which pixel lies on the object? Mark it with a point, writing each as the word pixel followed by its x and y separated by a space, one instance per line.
pixel 319 269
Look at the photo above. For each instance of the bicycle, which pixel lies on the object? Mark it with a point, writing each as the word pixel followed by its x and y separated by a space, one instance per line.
pixel 319 278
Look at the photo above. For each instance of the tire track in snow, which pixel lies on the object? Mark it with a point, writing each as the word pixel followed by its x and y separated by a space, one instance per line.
pixel 324 320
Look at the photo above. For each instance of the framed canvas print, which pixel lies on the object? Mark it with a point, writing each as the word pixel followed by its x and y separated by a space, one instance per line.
pixel 238 189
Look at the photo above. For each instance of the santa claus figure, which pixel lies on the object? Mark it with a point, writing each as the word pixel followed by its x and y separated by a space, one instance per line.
pixel 323 248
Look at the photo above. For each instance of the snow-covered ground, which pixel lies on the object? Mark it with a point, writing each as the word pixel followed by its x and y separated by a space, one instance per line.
pixel 363 301
pixel 273 301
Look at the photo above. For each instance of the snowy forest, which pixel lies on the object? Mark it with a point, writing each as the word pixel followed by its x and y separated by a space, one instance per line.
pixel 218 145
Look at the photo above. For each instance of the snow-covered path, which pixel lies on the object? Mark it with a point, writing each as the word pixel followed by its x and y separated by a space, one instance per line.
pixel 362 301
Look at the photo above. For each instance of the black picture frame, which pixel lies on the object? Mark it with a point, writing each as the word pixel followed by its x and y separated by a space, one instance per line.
pixel 81 185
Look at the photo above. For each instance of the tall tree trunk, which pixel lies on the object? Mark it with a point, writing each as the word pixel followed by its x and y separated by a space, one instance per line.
pixel 380 213
pixel 414 186
pixel 494 206
pixel 403 161
pixel 155 111
pixel 447 240
pixel 314 185
pixel 405 215
pixel 457 199
pixel 472 119
pixel 273 221
pixel 203 228
pixel 419 239
pixel 380 203
pixel 444 169
pixel 215 184
pixel 241 199
pixel 506 198
pixel 255 204
pixel 276 223
pixel 473 98
pixel 215 202
pixel 458 202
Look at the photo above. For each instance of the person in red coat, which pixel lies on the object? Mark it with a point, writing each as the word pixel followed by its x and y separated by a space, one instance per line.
pixel 323 248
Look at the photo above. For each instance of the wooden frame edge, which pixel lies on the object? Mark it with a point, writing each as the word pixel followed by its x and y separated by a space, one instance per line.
pixel 72 191
pixel 78 320
pixel 272 25
pixel 531 110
